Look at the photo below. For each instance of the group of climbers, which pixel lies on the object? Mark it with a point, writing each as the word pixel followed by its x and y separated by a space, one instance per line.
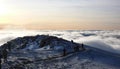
pixel 44 42
pixel 76 48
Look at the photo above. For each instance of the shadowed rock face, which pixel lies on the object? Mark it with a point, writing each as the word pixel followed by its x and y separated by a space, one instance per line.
pixel 23 51
pixel 39 40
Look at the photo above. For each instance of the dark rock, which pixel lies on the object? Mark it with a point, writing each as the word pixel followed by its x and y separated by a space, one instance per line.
pixel 22 49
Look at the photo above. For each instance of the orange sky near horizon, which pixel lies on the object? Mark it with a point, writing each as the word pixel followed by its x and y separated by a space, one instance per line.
pixel 60 14
pixel 60 27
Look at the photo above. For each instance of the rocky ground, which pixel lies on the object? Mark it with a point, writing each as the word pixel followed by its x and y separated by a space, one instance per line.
pixel 24 51
pixel 49 52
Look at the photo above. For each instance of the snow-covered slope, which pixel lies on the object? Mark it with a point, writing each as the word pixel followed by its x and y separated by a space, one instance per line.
pixel 36 48
pixel 46 52
pixel 91 59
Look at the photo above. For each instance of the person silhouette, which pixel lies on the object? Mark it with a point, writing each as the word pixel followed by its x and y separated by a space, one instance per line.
pixel 82 46
pixel 64 52
pixel 72 41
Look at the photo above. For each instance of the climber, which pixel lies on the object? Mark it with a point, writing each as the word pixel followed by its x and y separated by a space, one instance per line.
pixel 82 46
pixel 72 41
pixel 64 52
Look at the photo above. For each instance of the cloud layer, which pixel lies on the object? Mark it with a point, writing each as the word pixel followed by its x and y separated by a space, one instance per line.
pixel 106 40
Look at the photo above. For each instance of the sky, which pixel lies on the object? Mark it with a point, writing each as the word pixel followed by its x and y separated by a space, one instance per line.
pixel 60 14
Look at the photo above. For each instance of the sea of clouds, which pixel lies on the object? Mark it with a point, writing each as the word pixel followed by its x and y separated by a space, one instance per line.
pixel 105 40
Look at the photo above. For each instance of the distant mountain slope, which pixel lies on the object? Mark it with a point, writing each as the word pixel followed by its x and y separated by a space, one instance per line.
pixel 49 52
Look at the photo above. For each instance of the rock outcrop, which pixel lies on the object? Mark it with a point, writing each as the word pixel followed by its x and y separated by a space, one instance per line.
pixel 24 52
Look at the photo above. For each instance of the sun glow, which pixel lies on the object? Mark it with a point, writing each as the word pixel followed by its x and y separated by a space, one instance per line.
pixel 3 10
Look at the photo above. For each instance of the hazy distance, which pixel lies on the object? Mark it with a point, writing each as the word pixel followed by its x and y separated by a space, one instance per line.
pixel 60 14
